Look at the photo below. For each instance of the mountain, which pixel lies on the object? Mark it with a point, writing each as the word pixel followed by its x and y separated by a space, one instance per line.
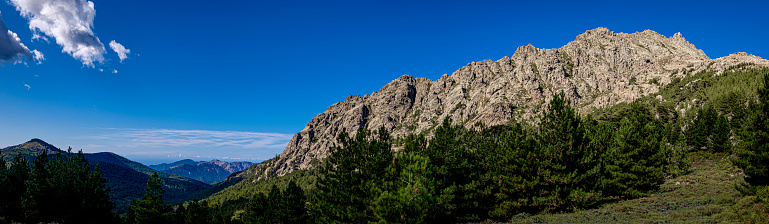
pixel 598 69
pixel 125 178
pixel 210 172
pixel 164 166
pixel 28 150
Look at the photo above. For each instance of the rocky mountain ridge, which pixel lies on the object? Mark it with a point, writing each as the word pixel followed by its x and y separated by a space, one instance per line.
pixel 599 68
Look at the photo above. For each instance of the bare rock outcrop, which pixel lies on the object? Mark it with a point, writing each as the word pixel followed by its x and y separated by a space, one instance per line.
pixel 599 68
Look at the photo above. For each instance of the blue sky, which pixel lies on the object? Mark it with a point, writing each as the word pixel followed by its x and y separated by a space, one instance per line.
pixel 235 80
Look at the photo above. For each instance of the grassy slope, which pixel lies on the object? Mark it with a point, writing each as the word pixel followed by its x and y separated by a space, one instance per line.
pixel 705 195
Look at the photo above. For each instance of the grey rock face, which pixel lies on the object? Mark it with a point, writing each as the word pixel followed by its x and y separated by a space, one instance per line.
pixel 599 68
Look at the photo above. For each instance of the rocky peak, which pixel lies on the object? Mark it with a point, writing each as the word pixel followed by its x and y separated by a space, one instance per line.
pixel 523 52
pixel 598 68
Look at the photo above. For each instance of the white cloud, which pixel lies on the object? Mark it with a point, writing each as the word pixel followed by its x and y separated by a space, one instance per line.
pixel 11 48
pixel 114 71
pixel 69 22
pixel 119 49
pixel 140 138
pixel 28 87
pixel 38 56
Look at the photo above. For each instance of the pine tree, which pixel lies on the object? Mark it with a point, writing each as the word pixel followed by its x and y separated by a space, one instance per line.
pixel 13 188
pixel 37 197
pixel 354 168
pixel 256 209
pixel 601 137
pixel 5 201
pixel 277 206
pixel 150 209
pixel 292 204
pixel 508 166
pixel 673 131
pixel 699 132
pixel 274 203
pixel 5 194
pixel 408 198
pixel 65 190
pixel 635 163
pixel 735 105
pixel 453 168
pixel 754 156
pixel 180 214
pixel 195 213
pixel 411 195
pixel 564 166
pixel 719 137
pixel 91 203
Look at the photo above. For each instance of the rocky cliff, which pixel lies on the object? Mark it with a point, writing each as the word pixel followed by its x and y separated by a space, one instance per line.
pixel 598 69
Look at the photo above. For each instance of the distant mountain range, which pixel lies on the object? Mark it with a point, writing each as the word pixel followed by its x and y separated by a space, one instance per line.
pixel 125 178
pixel 210 172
